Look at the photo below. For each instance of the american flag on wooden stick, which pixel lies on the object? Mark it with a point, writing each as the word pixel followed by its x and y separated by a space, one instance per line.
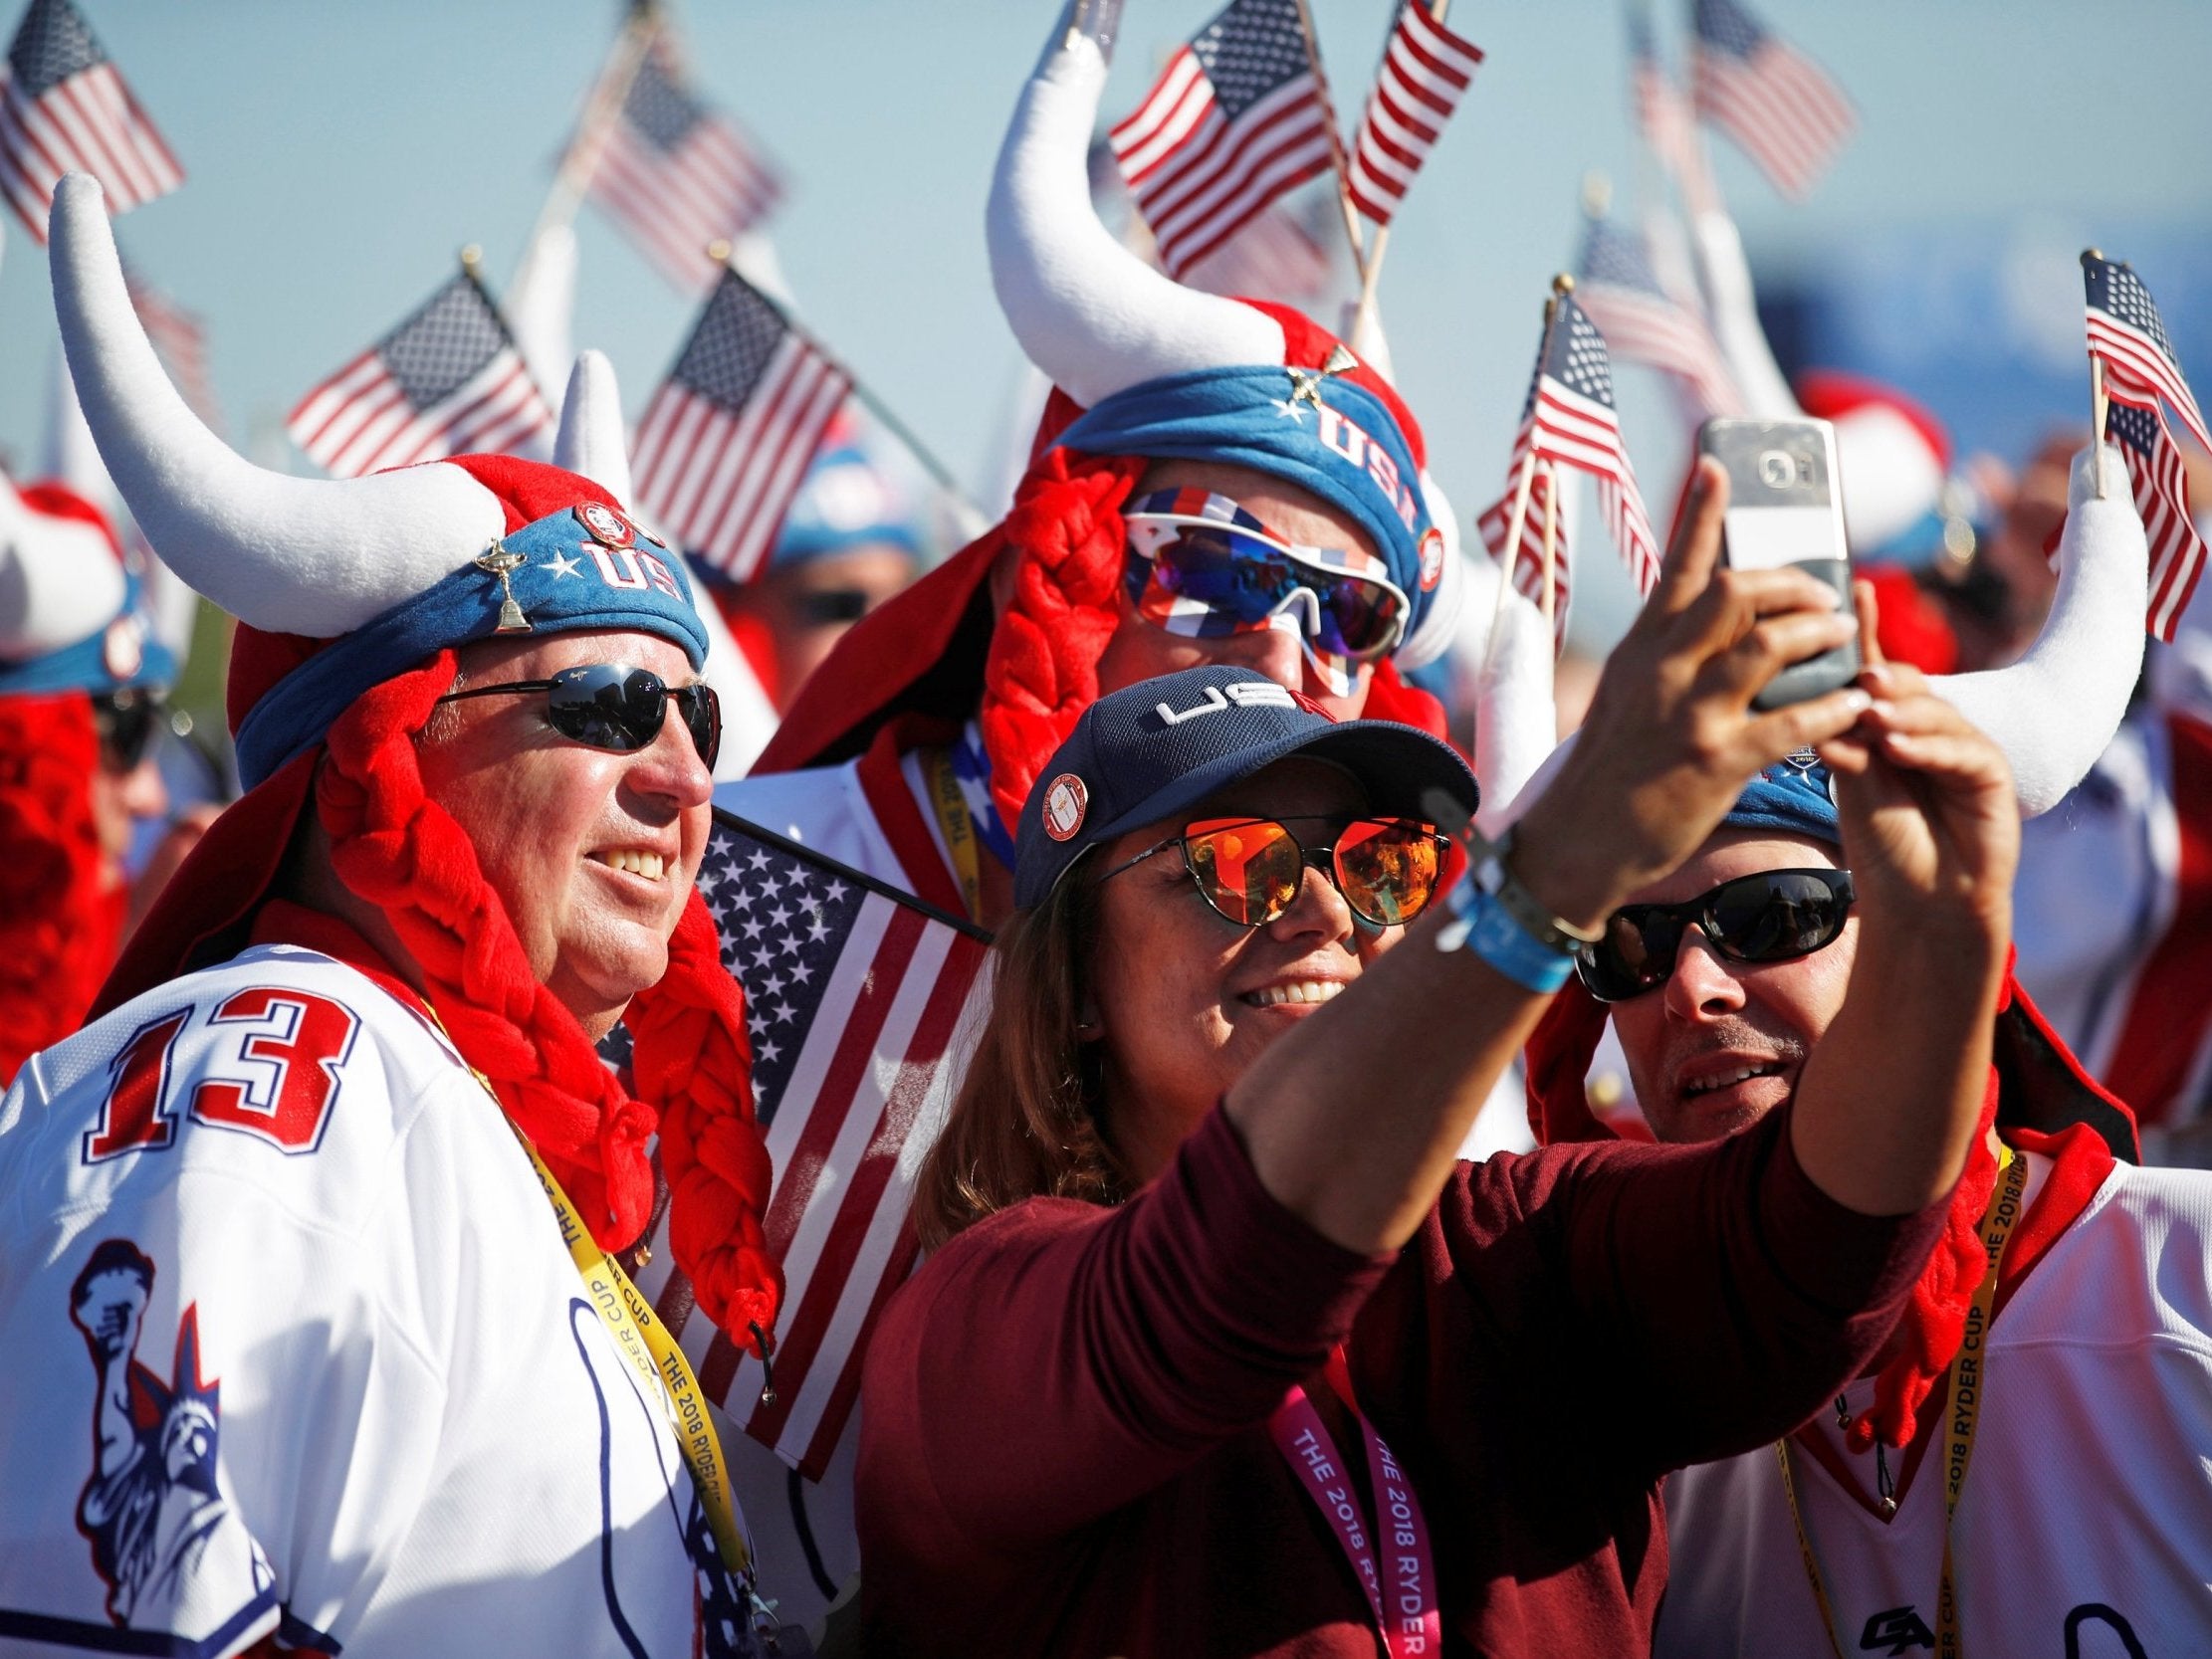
pixel 180 340
pixel 678 176
pixel 1620 290
pixel 1236 119
pixel 2129 339
pixel 726 441
pixel 860 1002
pixel 1779 105
pixel 1569 420
pixel 447 381
pixel 63 109
pixel 1425 68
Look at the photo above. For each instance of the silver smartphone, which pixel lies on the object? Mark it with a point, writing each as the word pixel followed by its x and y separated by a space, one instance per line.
pixel 1784 506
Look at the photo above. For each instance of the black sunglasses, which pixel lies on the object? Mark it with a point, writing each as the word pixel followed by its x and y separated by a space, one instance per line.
pixel 126 721
pixel 1771 917
pixel 1250 869
pixel 614 707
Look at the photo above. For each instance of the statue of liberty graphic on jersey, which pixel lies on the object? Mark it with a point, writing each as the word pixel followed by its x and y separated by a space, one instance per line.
pixel 173 1550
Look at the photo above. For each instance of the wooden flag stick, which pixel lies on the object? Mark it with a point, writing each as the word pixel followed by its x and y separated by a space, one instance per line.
pixel 1517 520
pixel 1337 160
pixel 600 112
pixel 2097 403
pixel 1551 550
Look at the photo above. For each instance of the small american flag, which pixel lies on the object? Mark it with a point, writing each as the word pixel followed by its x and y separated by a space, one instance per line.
pixel 2161 488
pixel 1287 255
pixel 2127 337
pixel 677 176
pixel 725 443
pixel 2126 333
pixel 860 1003
pixel 1660 109
pixel 1779 105
pixel 1569 420
pixel 1236 120
pixel 64 108
pixel 447 381
pixel 1621 292
pixel 1425 69
pixel 180 340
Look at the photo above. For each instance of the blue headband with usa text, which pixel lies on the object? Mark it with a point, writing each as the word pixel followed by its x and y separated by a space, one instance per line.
pixel 1791 797
pixel 562 575
pixel 1326 434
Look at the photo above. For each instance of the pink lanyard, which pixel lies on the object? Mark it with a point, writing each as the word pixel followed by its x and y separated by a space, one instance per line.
pixel 1406 1611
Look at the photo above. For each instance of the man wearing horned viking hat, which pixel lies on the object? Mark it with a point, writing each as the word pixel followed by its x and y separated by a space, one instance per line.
pixel 82 671
pixel 1215 481
pixel 339 1103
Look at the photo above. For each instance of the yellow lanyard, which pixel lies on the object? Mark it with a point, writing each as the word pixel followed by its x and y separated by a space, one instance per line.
pixel 645 1344
pixel 960 833
pixel 1961 1418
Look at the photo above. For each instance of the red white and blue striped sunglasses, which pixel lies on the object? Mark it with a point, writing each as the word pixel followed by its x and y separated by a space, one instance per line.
pixel 1201 565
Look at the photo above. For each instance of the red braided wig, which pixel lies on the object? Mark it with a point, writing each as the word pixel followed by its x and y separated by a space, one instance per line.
pixel 1042 668
pixel 403 852
pixel 61 918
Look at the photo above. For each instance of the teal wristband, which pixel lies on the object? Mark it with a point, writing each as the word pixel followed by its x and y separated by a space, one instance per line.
pixel 1485 926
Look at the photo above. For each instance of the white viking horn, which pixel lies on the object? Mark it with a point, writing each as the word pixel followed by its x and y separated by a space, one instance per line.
pixel 1087 310
pixel 60 582
pixel 2055 711
pixel 287 554
pixel 591 440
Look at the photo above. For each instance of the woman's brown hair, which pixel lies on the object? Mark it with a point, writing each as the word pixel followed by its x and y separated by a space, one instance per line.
pixel 1026 1121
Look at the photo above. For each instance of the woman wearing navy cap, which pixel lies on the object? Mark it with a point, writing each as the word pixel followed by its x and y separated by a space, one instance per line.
pixel 1219 1350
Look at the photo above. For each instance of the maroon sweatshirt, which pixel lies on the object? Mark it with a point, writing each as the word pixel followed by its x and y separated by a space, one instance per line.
pixel 1064 1446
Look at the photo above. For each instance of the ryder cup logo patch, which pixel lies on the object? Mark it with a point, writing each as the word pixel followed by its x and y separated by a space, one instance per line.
pixel 606 526
pixel 1065 803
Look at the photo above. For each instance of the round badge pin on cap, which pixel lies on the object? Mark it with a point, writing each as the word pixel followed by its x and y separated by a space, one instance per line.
pixel 1065 803
pixel 1431 559
pixel 606 526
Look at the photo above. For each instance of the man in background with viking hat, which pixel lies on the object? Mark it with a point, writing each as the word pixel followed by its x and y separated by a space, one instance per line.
pixel 81 673
pixel 336 1165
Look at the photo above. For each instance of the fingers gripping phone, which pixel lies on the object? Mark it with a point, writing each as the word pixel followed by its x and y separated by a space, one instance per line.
pixel 1784 506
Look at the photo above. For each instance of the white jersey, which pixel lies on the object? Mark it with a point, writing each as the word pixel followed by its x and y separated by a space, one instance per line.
pixel 293 1345
pixel 2085 1525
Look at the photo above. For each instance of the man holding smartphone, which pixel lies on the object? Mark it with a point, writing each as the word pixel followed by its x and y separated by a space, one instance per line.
pixel 2027 1459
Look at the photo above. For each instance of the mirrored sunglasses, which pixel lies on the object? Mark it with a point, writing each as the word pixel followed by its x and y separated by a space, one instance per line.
pixel 1774 915
pixel 1200 565
pixel 1249 870
pixel 613 706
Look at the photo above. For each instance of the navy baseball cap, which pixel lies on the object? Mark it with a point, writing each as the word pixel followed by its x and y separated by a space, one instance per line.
pixel 1157 748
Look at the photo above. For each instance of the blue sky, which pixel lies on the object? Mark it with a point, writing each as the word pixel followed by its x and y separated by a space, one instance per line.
pixel 338 157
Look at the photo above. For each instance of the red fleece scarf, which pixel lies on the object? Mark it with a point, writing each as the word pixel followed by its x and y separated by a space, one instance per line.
pixel 402 850
pixel 59 919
